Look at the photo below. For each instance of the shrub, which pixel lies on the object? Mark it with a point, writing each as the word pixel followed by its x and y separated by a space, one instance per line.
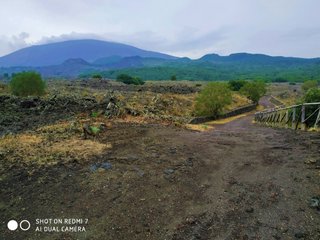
pixel 173 78
pixel 309 84
pixel 97 76
pixel 280 80
pixel 236 85
pixel 27 84
pixel 127 79
pixel 212 99
pixel 3 87
pixel 313 95
pixel 254 90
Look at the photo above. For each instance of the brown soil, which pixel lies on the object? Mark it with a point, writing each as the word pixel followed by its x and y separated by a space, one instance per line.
pixel 238 181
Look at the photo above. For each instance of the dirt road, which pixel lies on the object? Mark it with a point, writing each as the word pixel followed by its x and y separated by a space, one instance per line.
pixel 238 181
pixel 259 185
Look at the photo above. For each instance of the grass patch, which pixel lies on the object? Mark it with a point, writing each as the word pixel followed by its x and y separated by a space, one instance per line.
pixel 51 144
pixel 226 120
pixel 199 127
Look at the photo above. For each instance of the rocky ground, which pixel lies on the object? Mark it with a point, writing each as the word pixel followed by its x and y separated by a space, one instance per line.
pixel 140 179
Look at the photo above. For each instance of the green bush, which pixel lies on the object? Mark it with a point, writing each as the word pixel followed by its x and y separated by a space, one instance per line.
pixel 279 80
pixel 309 84
pixel 236 85
pixel 254 90
pixel 212 99
pixel 3 86
pixel 97 76
pixel 27 84
pixel 313 95
pixel 173 78
pixel 127 79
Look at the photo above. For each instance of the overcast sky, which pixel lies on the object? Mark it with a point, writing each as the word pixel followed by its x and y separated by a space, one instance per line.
pixel 189 28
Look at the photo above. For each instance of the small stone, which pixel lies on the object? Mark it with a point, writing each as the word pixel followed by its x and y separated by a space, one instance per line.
pixel 300 235
pixel 139 171
pixel 310 161
pixel 28 103
pixel 100 166
pixel 250 210
pixel 189 162
pixel 106 165
pixel 315 202
pixel 168 171
pixel 277 237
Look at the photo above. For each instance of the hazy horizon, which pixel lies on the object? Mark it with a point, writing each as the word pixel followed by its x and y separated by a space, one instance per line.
pixel 223 55
pixel 183 28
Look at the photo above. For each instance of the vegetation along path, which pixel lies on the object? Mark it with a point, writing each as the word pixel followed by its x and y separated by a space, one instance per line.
pixel 236 181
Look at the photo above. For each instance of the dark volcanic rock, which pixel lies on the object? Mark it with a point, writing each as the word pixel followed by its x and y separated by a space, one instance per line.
pixel 29 103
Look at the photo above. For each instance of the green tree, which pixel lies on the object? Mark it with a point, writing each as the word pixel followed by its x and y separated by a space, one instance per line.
pixel 173 78
pixel 236 85
pixel 309 84
pixel 313 95
pixel 212 99
pixel 127 79
pixel 27 84
pixel 254 90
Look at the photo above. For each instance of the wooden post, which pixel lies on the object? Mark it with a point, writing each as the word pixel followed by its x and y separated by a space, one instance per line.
pixel 303 117
pixel 287 118
pixel 293 118
pixel 317 120
pixel 277 119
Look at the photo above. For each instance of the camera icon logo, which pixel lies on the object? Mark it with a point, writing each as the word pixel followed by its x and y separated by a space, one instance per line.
pixel 24 225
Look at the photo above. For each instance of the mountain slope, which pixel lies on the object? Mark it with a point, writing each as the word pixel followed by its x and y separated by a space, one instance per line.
pixel 88 50
pixel 72 59
pixel 255 59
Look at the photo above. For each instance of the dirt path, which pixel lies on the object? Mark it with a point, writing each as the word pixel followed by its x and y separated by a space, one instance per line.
pixel 239 181
pixel 259 186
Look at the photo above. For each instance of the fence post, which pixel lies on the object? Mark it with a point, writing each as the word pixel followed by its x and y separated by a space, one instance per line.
pixel 287 118
pixel 303 117
pixel 293 118
pixel 317 120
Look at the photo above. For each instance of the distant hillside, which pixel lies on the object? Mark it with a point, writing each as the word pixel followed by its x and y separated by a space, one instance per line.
pixel 84 58
pixel 256 59
pixel 213 67
pixel 88 50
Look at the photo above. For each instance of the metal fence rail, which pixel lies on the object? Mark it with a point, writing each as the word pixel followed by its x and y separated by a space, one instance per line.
pixel 301 116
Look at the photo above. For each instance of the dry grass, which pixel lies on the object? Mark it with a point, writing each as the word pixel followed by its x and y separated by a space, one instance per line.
pixel 210 125
pixel 4 89
pixel 199 127
pixel 169 104
pixel 227 120
pixel 237 101
pixel 24 143
pixel 79 147
pixel 288 94
pixel 51 144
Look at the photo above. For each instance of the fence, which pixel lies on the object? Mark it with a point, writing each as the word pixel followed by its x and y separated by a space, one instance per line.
pixel 237 111
pixel 301 116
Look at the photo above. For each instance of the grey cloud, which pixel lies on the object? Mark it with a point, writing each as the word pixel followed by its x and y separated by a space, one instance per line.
pixel 66 37
pixel 9 44
pixel 181 27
